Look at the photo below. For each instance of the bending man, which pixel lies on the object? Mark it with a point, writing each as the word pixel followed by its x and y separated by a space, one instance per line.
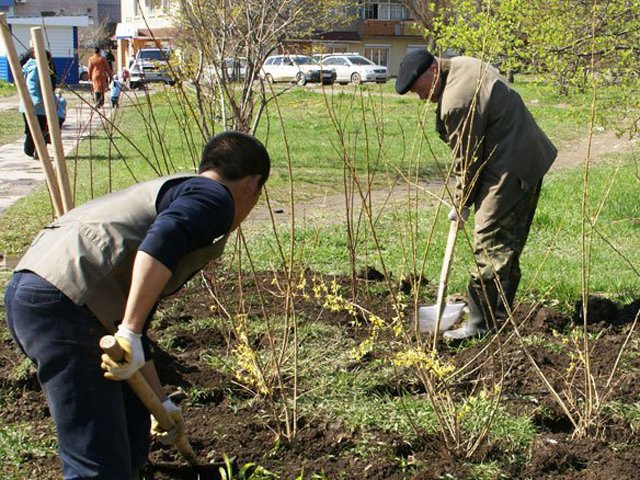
pixel 500 156
pixel 108 262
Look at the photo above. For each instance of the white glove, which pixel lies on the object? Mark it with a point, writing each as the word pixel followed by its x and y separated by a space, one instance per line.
pixel 133 356
pixel 164 436
pixel 453 214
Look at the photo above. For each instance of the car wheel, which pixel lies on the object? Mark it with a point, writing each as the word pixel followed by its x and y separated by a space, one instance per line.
pixel 301 79
pixel 356 78
pixel 84 77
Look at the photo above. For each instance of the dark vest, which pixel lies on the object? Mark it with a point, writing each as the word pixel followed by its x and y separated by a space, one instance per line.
pixel 88 253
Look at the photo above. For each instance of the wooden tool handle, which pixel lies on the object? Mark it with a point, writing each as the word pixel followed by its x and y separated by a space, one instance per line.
pixel 444 277
pixel 148 397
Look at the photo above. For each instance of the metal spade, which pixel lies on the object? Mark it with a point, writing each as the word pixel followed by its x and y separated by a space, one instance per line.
pixel 441 316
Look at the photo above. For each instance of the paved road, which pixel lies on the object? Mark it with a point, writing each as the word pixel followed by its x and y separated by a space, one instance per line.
pixel 20 174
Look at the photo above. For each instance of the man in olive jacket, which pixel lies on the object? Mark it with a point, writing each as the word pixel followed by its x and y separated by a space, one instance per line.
pixel 107 263
pixel 500 156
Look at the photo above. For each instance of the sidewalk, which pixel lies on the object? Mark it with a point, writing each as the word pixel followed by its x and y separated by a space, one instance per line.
pixel 20 174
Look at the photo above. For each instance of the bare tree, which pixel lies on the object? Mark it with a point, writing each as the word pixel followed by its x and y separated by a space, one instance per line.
pixel 94 35
pixel 225 43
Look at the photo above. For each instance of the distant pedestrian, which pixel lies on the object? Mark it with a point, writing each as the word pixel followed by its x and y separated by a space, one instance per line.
pixel 61 107
pixel 30 73
pixel 108 54
pixel 116 90
pixel 100 75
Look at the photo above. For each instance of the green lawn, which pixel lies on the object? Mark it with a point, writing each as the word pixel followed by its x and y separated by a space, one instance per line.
pixel 387 138
pixel 6 89
pixel 11 126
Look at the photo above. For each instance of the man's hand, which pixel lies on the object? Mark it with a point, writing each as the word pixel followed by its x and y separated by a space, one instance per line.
pixel 169 437
pixel 453 214
pixel 133 356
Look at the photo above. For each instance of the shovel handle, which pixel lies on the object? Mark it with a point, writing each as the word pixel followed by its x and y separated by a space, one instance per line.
pixel 109 344
pixel 444 277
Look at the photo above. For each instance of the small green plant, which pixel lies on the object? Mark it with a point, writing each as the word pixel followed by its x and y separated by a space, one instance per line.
pixel 249 471
pixel 22 371
pixel 19 445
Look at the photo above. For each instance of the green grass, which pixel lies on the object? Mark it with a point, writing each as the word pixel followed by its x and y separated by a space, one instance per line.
pixel 6 89
pixel 20 445
pixel 11 126
pixel 362 397
pixel 551 262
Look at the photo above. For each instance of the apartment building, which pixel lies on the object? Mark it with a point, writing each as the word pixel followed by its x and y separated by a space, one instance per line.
pixel 108 10
pixel 144 23
pixel 381 30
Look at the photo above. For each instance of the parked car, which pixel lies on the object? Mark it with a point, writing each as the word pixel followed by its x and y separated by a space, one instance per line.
pixel 236 69
pixel 295 68
pixel 83 73
pixel 150 65
pixel 355 68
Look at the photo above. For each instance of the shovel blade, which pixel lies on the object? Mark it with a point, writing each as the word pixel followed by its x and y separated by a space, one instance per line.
pixel 451 313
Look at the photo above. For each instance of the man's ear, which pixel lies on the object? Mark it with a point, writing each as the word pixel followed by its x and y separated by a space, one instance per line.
pixel 254 182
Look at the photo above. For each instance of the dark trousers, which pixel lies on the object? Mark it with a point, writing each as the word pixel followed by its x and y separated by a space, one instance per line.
pixel 103 429
pixel 29 145
pixel 497 249
pixel 98 99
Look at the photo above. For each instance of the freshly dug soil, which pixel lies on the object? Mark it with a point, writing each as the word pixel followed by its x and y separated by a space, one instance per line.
pixel 218 423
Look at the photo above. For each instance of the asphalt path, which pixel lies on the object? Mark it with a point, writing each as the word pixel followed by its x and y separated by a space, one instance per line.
pixel 20 174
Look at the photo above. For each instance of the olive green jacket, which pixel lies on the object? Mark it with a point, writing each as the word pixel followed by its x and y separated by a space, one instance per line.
pixel 499 150
pixel 88 253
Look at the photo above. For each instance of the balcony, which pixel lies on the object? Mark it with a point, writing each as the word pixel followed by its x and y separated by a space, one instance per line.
pixel 389 28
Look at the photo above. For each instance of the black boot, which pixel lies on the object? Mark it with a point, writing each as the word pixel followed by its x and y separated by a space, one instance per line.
pixel 474 326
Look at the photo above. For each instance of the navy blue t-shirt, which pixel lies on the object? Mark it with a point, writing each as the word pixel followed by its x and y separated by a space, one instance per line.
pixel 192 213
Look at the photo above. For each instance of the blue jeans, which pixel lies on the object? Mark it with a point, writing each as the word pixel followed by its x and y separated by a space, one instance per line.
pixel 103 429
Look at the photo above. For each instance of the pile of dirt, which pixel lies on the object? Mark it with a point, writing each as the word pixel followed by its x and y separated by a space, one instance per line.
pixel 219 423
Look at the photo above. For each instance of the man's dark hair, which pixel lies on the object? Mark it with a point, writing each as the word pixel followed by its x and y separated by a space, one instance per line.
pixel 236 155
pixel 96 50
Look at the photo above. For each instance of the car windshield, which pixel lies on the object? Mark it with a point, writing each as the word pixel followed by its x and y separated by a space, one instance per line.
pixel 153 54
pixel 302 60
pixel 360 61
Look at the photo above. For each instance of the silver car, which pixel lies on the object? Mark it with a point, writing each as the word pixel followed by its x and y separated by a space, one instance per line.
pixel 355 68
pixel 150 65
pixel 295 68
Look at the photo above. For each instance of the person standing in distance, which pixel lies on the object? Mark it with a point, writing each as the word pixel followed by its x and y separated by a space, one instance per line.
pixel 500 157
pixel 100 75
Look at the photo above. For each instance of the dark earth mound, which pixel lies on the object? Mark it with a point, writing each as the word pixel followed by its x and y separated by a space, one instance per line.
pixel 244 430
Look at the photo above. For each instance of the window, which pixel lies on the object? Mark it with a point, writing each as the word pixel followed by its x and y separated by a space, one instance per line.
pixel 383 10
pixel 335 61
pixel 358 60
pixel 377 54
pixel 370 11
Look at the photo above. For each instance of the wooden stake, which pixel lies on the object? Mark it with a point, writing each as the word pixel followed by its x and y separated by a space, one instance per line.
pixel 32 121
pixel 52 117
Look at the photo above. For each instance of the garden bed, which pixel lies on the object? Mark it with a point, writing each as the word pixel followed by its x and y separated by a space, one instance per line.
pixel 224 416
